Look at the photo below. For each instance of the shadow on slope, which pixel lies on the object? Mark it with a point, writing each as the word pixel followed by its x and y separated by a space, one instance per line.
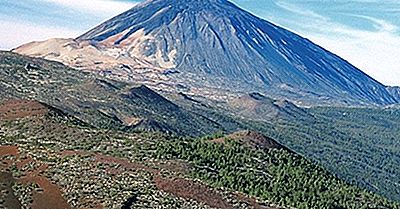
pixel 99 102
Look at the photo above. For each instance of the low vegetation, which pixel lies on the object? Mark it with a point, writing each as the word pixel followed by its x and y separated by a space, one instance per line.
pixel 274 175
pixel 92 114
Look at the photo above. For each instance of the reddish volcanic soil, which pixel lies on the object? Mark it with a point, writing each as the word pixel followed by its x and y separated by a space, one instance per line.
pixel 15 109
pixel 50 196
pixel 190 190
pixel 8 151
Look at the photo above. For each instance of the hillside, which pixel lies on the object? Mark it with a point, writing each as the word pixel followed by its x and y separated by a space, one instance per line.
pixel 250 139
pixel 277 175
pixel 259 107
pixel 358 144
pixel 361 141
pixel 49 161
pixel 95 100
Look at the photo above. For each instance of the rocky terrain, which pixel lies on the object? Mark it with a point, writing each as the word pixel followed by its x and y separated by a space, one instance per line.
pixel 357 145
pixel 52 163
pixel 50 160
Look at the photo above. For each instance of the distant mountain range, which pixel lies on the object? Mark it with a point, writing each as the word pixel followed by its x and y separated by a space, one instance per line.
pixel 213 48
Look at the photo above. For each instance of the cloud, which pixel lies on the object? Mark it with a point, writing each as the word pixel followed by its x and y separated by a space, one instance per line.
pixel 300 11
pixel 17 33
pixel 103 7
pixel 373 51
pixel 27 22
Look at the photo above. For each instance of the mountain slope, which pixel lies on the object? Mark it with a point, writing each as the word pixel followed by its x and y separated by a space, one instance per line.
pixel 259 107
pixel 96 101
pixel 274 174
pixel 209 44
pixel 252 140
pixel 52 162
pixel 395 91
pixel 48 162
pixel 362 142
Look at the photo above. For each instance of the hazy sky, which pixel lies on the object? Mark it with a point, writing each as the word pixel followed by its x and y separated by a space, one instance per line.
pixel 364 32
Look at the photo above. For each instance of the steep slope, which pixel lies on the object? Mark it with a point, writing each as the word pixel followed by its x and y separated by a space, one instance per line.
pixel 16 109
pixel 208 44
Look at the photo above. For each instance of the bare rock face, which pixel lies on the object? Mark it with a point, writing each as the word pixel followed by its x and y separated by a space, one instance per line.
pixel 212 46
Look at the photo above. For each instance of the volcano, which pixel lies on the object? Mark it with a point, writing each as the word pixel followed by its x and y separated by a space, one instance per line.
pixel 215 49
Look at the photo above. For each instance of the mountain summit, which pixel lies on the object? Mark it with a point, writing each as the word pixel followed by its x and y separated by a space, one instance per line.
pixel 212 47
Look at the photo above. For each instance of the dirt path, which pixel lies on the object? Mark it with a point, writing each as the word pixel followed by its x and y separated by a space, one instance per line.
pixel 50 197
pixel 190 190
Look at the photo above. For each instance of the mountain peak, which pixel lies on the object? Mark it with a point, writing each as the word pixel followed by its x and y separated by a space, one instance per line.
pixel 186 2
pixel 213 44
pixel 191 4
pixel 153 14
